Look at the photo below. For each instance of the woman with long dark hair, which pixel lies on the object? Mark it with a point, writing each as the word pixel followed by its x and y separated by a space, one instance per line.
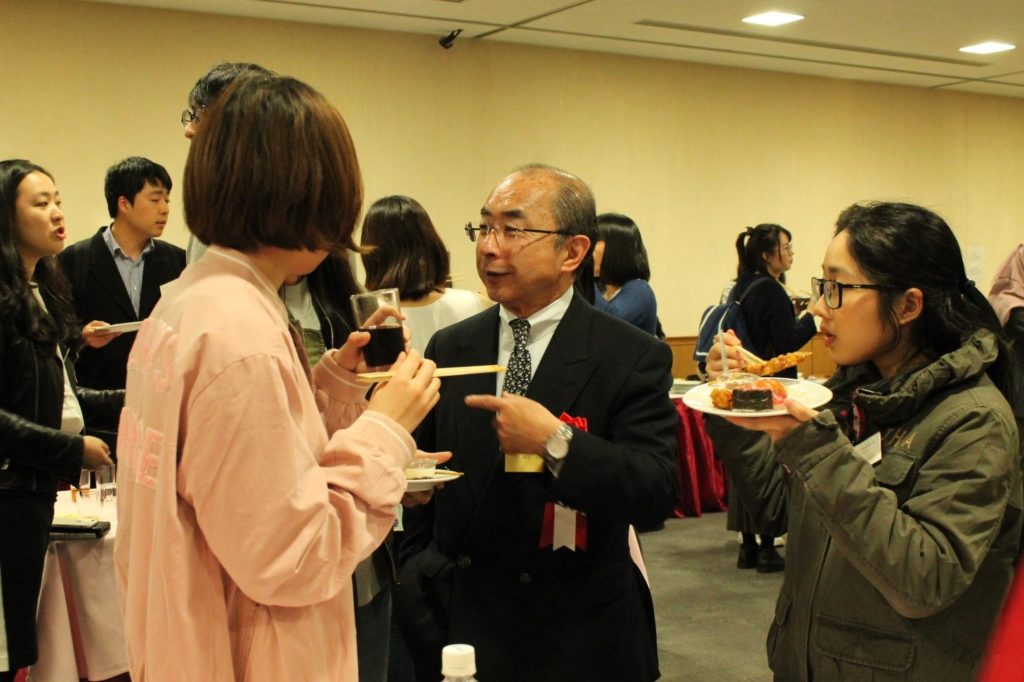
pixel 42 411
pixel 904 492
pixel 318 305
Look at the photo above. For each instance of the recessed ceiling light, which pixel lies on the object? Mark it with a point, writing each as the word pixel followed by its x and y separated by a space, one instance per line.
pixel 773 18
pixel 988 48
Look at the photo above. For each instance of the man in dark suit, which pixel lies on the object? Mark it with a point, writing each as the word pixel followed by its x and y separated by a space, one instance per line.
pixel 116 275
pixel 527 557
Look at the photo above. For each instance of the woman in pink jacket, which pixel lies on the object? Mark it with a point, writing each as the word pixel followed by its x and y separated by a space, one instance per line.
pixel 241 517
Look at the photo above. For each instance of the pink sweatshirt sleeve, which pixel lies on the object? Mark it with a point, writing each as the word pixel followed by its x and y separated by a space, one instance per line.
pixel 341 396
pixel 287 515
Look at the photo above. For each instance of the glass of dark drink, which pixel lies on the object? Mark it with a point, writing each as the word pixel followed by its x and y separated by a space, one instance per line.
pixel 378 312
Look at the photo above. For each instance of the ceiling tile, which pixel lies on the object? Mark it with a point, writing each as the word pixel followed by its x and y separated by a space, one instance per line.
pixel 912 42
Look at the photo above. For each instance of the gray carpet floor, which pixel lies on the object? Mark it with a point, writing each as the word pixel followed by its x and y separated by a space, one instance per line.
pixel 712 617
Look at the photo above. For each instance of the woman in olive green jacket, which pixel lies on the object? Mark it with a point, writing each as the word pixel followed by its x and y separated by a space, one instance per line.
pixel 904 492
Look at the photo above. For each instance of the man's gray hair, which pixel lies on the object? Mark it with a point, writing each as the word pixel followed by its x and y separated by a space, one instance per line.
pixel 575 212
pixel 574 207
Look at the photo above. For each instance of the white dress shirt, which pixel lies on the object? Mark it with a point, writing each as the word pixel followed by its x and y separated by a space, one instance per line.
pixel 542 327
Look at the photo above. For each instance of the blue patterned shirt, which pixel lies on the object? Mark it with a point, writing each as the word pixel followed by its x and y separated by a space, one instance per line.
pixel 129 268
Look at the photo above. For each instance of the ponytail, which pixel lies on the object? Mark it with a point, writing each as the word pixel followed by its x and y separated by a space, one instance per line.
pixel 753 243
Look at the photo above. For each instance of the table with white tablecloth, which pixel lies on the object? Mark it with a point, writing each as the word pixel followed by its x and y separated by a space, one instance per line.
pixel 80 625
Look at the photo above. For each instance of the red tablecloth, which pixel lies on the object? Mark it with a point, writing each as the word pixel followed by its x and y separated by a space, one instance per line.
pixel 701 476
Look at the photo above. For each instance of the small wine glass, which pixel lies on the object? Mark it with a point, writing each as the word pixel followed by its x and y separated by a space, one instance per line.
pixel 85 499
pixel 106 481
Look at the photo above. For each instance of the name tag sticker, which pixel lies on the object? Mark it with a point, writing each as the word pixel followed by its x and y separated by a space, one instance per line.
pixel 524 464
pixel 870 449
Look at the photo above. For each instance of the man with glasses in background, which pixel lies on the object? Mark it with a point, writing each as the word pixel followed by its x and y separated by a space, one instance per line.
pixel 204 93
pixel 527 557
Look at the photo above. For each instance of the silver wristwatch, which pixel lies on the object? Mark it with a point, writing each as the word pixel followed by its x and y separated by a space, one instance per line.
pixel 556 447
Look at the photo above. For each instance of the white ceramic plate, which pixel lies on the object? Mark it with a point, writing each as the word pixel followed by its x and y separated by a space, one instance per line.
pixel 809 393
pixel 417 485
pixel 122 327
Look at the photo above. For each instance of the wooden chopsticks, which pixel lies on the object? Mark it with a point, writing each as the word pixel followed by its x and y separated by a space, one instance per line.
pixel 374 377
pixel 750 357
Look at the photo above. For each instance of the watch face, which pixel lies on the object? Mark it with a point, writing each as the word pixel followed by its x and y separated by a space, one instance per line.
pixel 558 444
pixel 558 448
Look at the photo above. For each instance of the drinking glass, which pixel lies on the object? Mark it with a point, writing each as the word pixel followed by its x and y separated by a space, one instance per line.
pixel 86 499
pixel 379 313
pixel 106 481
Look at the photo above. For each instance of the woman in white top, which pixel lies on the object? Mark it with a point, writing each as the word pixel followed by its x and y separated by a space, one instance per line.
pixel 402 249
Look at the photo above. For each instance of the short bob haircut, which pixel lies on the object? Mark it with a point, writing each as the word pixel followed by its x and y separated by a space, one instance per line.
pixel 625 257
pixel 273 165
pixel 402 249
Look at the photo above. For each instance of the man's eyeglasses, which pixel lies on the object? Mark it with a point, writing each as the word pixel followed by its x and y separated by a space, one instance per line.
pixel 189 116
pixel 504 234
pixel 832 291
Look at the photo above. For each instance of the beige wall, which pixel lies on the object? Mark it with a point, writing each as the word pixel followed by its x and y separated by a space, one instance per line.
pixel 692 152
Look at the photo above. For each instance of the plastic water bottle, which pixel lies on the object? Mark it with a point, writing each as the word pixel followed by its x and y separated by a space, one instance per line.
pixel 458 663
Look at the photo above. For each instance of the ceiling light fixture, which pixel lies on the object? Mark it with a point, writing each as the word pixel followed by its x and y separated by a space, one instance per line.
pixel 773 18
pixel 989 47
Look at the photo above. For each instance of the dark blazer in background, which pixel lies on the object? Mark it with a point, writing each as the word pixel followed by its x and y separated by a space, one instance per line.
pixel 99 294
pixel 533 613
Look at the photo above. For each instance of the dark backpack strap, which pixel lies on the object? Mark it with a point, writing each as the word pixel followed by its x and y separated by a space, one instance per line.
pixel 757 282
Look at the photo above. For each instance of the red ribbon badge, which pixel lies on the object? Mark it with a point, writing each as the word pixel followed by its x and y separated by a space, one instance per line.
pixel 571 524
pixel 579 422
pixel 547 532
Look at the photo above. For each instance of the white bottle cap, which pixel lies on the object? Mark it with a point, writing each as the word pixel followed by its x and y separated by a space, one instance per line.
pixel 458 660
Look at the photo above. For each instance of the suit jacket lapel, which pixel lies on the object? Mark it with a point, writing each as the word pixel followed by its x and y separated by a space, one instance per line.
pixel 476 437
pixel 561 376
pixel 103 270
pixel 565 368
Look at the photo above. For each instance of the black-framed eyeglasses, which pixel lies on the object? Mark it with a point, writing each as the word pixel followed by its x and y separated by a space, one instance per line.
pixel 189 116
pixel 505 234
pixel 832 291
